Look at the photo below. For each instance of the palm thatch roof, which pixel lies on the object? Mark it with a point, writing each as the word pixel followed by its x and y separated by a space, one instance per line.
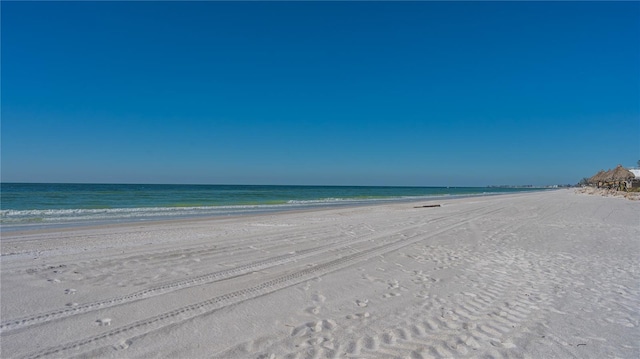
pixel 596 178
pixel 619 174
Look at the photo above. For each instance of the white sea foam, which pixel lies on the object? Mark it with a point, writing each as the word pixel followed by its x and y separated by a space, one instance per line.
pixel 54 215
pixel 147 211
pixel 323 200
pixel 12 219
pixel 45 217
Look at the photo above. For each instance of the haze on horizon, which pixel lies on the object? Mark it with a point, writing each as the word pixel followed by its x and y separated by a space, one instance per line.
pixel 326 93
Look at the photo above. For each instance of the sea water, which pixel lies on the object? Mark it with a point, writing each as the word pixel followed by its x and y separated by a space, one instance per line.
pixel 42 205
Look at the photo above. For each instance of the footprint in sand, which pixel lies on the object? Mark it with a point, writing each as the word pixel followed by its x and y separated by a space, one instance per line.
pixel 391 294
pixel 70 291
pixel 393 284
pixel 313 310
pixel 372 279
pixel 104 321
pixel 313 327
pixel 318 298
pixel 123 345
pixel 362 303
pixel 359 315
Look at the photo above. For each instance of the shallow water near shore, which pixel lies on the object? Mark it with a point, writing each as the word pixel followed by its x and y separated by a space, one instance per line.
pixel 41 205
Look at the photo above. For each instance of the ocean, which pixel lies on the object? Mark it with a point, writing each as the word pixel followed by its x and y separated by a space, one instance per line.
pixel 45 205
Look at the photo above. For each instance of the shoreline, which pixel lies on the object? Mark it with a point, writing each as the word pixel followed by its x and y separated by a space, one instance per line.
pixel 234 211
pixel 534 274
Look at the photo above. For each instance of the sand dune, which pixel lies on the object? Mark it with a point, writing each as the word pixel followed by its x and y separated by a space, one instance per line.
pixel 535 275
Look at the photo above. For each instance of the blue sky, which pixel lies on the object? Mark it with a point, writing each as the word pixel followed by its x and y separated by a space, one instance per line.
pixel 344 93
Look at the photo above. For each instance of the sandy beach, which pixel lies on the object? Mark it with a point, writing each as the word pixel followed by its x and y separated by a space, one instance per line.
pixel 551 274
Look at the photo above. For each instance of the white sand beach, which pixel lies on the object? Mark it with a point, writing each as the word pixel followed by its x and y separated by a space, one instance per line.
pixel 532 275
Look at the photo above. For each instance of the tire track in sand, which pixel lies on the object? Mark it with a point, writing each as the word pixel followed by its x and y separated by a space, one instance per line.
pixel 173 286
pixel 485 319
pixel 139 328
pixel 59 313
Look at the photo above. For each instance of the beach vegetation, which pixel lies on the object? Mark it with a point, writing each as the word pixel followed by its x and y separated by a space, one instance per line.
pixel 584 182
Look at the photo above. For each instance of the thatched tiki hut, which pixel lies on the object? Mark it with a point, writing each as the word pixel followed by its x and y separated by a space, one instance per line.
pixel 620 178
pixel 595 179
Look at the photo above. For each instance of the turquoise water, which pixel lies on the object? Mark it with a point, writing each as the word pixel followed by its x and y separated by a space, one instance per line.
pixel 30 205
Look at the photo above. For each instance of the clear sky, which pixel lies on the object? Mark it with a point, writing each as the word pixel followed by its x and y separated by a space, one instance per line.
pixel 348 93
